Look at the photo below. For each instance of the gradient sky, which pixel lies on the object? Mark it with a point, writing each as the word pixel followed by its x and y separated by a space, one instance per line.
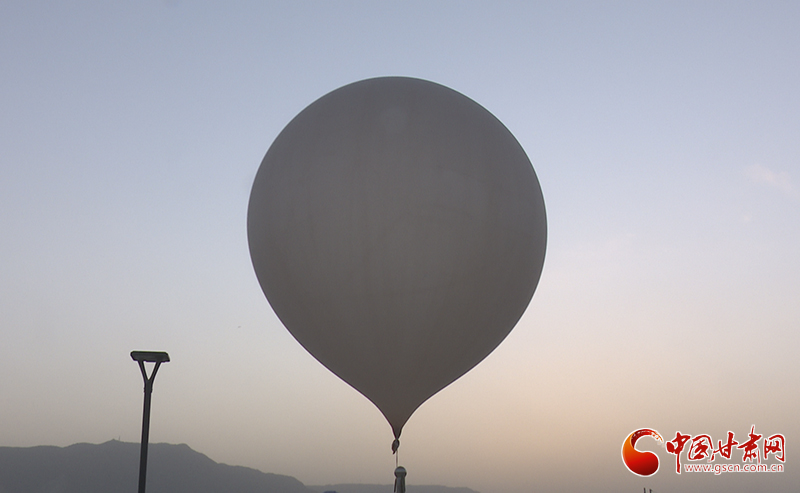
pixel 666 137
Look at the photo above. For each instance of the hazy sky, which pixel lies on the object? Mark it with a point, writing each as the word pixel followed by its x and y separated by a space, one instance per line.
pixel 666 137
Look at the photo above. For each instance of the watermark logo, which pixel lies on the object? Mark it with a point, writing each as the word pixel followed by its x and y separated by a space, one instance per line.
pixel 638 462
pixel 757 450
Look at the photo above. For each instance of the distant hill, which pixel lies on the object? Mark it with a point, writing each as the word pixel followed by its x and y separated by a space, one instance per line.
pixel 387 488
pixel 113 467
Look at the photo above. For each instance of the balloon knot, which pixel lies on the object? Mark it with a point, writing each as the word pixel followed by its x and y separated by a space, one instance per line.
pixel 395 445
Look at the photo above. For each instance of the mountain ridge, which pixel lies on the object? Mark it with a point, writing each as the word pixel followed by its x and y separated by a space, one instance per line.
pixel 113 467
pixel 386 488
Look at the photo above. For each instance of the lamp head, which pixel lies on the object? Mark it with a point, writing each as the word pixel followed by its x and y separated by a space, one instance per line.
pixel 150 356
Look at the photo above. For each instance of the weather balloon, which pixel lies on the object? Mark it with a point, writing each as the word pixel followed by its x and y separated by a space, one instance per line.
pixel 398 230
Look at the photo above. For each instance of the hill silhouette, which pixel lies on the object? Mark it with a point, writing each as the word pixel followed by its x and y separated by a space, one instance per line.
pixel 387 488
pixel 113 467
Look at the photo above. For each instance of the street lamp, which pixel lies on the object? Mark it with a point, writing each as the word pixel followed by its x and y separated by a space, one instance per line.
pixel 141 357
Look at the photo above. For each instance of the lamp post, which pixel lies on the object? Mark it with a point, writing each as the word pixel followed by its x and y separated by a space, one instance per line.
pixel 141 357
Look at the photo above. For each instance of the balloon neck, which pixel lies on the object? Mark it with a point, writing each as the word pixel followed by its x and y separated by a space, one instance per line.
pixel 395 445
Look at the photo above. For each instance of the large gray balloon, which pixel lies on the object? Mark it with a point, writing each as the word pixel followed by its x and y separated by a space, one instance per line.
pixel 398 230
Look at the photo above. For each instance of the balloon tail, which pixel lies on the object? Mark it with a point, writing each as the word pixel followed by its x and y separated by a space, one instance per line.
pixel 400 480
